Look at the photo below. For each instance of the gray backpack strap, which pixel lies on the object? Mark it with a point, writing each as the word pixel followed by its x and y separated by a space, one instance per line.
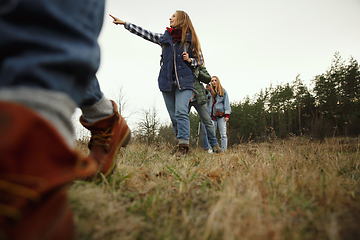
pixel 186 47
pixel 196 70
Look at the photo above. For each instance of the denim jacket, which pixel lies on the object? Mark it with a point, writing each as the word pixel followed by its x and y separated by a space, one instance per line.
pixel 222 103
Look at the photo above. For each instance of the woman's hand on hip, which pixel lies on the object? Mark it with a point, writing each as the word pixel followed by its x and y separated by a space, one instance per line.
pixel 185 56
pixel 117 20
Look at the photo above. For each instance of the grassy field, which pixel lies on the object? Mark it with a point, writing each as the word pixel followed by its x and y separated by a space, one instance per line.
pixel 292 189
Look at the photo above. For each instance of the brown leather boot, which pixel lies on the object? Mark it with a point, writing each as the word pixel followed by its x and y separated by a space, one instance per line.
pixel 182 149
pixel 107 136
pixel 36 166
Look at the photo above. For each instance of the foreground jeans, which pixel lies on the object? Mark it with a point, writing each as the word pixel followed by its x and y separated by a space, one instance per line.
pixel 60 54
pixel 177 104
pixel 222 129
pixel 207 124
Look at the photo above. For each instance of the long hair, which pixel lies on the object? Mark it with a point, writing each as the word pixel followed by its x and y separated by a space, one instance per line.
pixel 183 21
pixel 218 89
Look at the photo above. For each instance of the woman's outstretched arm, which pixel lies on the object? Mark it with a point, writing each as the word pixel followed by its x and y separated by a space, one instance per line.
pixel 139 31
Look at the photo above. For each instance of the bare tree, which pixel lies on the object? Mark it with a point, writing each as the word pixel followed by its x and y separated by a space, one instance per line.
pixel 121 101
pixel 148 126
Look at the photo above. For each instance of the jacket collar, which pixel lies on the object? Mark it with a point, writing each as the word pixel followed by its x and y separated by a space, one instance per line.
pixel 166 38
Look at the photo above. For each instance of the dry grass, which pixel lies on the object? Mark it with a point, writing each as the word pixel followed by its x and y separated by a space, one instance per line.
pixel 293 189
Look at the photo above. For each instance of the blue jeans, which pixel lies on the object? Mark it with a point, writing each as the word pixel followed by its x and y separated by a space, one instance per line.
pixel 177 104
pixel 222 129
pixel 52 45
pixel 92 95
pixel 207 124
pixel 205 140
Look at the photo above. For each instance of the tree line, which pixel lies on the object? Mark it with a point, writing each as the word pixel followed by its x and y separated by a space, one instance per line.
pixel 330 108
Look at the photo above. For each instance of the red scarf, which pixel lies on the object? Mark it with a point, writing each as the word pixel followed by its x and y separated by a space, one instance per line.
pixel 175 34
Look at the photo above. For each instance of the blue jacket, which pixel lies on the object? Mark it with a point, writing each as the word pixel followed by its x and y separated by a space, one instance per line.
pixel 172 59
pixel 222 103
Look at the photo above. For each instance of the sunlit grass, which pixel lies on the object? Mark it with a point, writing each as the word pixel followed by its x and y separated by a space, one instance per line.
pixel 293 189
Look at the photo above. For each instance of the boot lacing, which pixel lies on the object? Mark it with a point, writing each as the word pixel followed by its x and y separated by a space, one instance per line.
pixel 101 139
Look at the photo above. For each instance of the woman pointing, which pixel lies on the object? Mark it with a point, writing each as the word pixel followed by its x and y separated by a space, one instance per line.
pixel 181 53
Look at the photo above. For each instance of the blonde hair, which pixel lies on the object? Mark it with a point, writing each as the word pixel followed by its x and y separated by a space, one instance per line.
pixel 218 89
pixel 183 21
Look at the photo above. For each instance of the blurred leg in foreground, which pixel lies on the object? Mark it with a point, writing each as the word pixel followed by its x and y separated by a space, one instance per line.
pixel 48 59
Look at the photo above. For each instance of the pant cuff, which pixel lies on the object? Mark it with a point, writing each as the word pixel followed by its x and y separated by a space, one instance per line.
pixel 184 141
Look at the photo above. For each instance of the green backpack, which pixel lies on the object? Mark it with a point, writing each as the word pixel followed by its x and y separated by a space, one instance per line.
pixel 201 75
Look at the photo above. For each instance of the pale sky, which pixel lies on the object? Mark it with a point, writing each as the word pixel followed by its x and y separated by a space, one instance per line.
pixel 247 44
